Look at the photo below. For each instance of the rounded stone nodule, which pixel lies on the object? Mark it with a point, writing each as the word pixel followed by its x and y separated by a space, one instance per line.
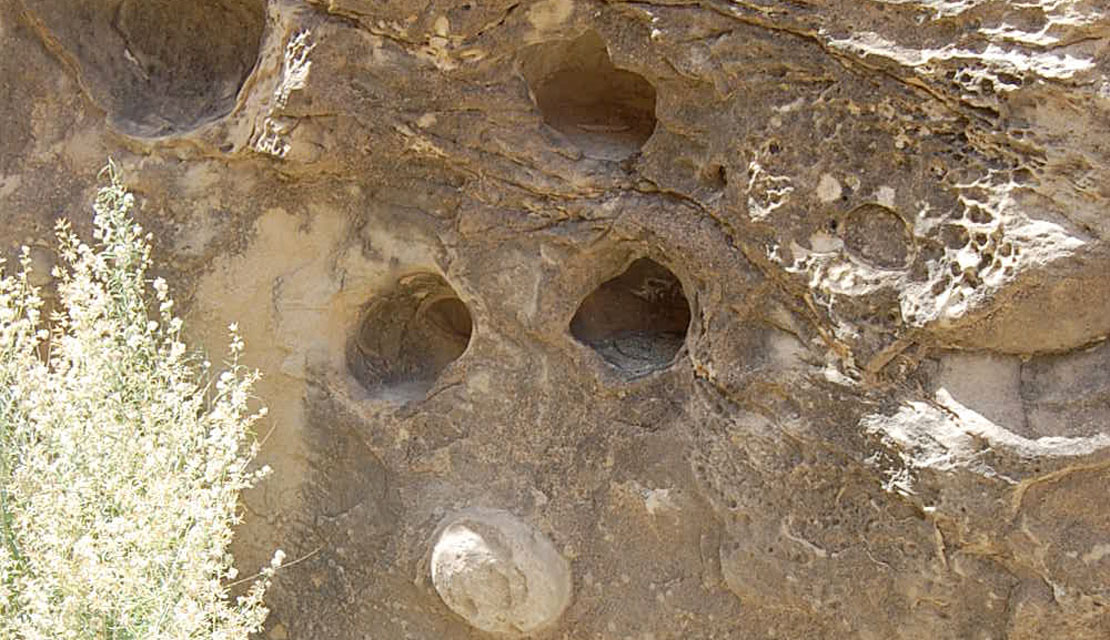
pixel 500 574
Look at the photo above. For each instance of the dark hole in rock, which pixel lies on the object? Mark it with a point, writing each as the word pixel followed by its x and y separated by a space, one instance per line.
pixel 715 177
pixel 194 58
pixel 979 215
pixel 876 235
pixel 606 112
pixel 159 67
pixel 408 336
pixel 637 321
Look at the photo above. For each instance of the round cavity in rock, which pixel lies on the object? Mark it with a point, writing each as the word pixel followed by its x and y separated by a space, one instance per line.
pixel 159 67
pixel 637 321
pixel 606 112
pixel 499 574
pixel 409 335
pixel 190 58
pixel 877 236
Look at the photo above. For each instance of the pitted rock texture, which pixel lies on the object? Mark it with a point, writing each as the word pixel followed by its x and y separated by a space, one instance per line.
pixel 778 319
pixel 499 574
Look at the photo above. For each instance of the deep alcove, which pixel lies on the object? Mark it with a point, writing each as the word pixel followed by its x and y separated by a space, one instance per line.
pixel 606 112
pixel 408 336
pixel 159 67
pixel 637 321
pixel 189 60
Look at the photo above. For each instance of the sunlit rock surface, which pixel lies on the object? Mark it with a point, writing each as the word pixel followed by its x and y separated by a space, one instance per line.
pixel 499 574
pixel 777 319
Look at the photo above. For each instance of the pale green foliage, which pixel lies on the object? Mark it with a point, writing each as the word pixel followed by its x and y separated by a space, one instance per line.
pixel 122 456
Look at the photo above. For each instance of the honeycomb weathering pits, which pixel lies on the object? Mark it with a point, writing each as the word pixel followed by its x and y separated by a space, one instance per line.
pixel 637 321
pixel 500 574
pixel 159 67
pixel 607 112
pixel 409 334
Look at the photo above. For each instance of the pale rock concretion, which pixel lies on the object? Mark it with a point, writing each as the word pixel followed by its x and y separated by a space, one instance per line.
pixel 500 574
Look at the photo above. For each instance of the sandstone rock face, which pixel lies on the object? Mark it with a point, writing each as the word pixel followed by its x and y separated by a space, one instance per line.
pixel 762 319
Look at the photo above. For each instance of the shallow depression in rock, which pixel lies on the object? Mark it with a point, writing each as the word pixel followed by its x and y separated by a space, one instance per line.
pixel 876 235
pixel 606 112
pixel 637 321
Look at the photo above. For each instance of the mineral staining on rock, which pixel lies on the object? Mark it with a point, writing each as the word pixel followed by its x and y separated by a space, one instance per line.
pixel 500 574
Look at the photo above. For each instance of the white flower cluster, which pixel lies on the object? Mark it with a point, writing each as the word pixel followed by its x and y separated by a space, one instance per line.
pixel 122 456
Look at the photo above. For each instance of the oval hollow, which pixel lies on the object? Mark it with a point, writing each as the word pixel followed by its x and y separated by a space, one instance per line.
pixel 637 321
pixel 877 236
pixel 159 67
pixel 608 113
pixel 408 335
pixel 192 56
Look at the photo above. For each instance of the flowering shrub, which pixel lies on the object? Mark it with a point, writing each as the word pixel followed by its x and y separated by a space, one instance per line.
pixel 122 454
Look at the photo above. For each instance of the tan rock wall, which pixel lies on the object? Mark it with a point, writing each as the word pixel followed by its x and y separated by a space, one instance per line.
pixel 771 319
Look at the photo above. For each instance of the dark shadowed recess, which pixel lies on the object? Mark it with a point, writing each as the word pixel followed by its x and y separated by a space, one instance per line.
pixel 158 67
pixel 637 321
pixel 608 113
pixel 192 57
pixel 408 336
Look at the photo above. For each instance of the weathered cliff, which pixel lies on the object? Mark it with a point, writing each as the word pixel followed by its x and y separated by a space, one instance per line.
pixel 673 319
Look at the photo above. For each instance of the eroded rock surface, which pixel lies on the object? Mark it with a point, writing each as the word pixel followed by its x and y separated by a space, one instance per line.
pixel 777 319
